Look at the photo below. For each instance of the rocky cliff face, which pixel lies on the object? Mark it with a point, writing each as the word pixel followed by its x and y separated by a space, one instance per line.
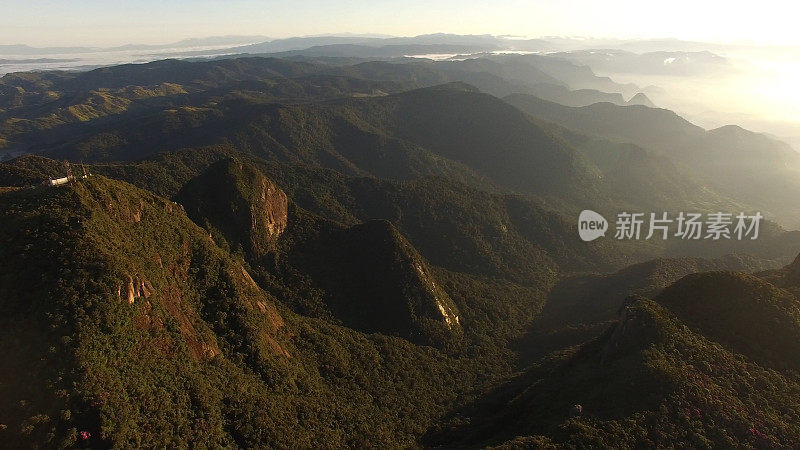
pixel 268 213
pixel 168 269
pixel 374 280
pixel 124 293
pixel 370 277
pixel 235 200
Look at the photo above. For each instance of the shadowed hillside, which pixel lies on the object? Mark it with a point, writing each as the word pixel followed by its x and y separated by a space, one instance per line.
pixel 736 310
pixel 239 203
pixel 648 380
pixel 371 278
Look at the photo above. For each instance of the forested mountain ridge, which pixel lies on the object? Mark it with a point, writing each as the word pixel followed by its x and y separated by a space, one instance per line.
pixel 336 251
pixel 187 104
pixel 736 163
pixel 368 276
pixel 133 304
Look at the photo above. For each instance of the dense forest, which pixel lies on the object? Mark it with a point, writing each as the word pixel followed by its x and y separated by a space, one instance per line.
pixel 319 252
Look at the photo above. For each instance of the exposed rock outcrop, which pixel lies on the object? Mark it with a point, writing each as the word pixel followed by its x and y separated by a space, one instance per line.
pixel 237 200
pixel 374 280
pixel 173 277
pixel 134 287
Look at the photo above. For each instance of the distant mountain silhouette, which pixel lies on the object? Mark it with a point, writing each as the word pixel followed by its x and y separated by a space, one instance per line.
pixel 737 163
pixel 641 99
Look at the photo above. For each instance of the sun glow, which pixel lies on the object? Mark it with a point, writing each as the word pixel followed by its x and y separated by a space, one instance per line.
pixel 777 86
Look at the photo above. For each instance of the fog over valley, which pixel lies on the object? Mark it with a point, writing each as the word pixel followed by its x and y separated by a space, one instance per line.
pixel 708 83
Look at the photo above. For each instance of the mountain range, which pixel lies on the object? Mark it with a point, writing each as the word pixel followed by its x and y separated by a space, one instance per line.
pixel 332 249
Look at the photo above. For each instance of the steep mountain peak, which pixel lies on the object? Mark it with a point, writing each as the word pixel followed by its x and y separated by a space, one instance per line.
pixel 236 199
pixel 431 302
pixel 795 265
pixel 147 268
pixel 787 277
pixel 369 276
pixel 735 309
pixel 729 130
pixel 641 99
pixel 374 280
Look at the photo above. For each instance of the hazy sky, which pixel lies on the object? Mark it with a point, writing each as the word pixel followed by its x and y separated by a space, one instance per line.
pixel 115 22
